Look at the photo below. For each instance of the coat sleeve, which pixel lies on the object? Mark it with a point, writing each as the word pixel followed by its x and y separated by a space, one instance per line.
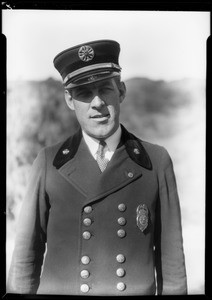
pixel 27 259
pixel 169 254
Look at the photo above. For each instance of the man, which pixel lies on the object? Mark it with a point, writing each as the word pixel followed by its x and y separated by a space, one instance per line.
pixel 103 204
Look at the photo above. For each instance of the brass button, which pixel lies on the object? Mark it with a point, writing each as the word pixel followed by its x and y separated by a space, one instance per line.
pixel 121 233
pixel 87 222
pixel 120 272
pixel 122 207
pixel 88 209
pixel 84 274
pixel 85 260
pixel 121 286
pixel 86 235
pixel 84 288
pixel 120 258
pixel 122 221
pixel 130 174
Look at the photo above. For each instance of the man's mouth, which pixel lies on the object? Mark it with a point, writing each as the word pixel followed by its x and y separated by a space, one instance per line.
pixel 101 117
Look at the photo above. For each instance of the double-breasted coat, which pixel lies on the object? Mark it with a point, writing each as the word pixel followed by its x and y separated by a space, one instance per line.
pixel 83 232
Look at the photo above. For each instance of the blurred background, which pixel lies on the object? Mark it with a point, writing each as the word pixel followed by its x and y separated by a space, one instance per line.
pixel 163 57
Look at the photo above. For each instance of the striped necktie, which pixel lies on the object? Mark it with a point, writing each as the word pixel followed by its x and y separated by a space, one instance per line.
pixel 100 158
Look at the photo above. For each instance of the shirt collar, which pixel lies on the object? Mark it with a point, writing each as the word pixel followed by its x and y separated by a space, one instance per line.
pixel 112 141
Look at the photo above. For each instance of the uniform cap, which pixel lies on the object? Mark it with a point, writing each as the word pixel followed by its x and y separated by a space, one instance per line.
pixel 88 62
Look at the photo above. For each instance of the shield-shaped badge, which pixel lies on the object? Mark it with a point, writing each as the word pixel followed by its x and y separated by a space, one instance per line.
pixel 142 217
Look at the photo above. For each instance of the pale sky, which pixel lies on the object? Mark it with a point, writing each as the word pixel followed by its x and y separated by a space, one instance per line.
pixel 154 44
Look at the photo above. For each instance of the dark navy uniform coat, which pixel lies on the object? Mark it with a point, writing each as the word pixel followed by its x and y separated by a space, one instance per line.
pixel 57 251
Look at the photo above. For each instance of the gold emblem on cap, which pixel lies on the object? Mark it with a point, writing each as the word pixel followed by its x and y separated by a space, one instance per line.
pixel 86 53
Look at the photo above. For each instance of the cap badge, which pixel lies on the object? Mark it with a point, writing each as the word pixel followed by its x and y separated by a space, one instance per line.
pixel 86 53
pixel 92 78
pixel 142 217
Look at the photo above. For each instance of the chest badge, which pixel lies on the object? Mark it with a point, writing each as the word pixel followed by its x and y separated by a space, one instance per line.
pixel 142 217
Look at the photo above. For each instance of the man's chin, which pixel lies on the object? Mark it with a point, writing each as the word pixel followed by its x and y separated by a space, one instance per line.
pixel 102 132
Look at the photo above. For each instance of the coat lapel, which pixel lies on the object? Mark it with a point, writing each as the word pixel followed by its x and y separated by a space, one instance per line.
pixel 79 168
pixel 120 172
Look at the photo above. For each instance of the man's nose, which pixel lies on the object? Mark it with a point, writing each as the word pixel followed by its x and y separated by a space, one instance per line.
pixel 97 102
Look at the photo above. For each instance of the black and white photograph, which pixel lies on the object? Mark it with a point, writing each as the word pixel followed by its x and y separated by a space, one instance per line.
pixel 106 142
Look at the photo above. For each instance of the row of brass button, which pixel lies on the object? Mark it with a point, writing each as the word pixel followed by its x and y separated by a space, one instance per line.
pixel 121 207
pixel 121 221
pixel 85 260
pixel 120 272
pixel 121 286
pixel 87 235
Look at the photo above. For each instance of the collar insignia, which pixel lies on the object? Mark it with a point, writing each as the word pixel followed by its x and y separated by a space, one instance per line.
pixel 135 149
pixel 133 146
pixel 67 150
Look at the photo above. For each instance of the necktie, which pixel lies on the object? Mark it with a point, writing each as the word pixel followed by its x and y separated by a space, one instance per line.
pixel 100 158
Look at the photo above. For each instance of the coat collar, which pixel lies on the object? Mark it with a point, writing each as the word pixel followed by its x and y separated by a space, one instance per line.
pixel 132 144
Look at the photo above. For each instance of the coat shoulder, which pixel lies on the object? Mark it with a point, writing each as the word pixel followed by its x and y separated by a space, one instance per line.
pixel 157 153
pixel 153 148
pixel 50 151
pixel 53 149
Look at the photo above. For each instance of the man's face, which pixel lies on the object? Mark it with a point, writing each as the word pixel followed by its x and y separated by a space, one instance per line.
pixel 97 106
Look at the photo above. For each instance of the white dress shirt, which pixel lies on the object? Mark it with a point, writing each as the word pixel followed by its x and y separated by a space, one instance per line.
pixel 112 143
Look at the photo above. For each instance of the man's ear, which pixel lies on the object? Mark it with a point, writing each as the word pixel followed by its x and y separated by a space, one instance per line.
pixel 69 100
pixel 122 91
